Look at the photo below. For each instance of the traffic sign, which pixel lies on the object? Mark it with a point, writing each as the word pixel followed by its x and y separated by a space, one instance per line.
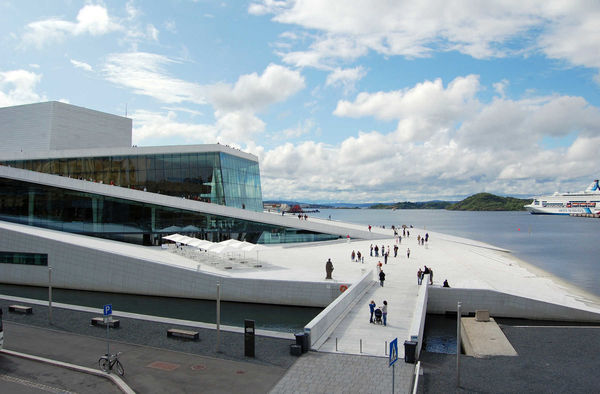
pixel 107 309
pixel 393 351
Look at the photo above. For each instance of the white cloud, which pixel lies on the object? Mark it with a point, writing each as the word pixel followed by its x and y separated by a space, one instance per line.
pixel 152 32
pixel 500 87
pixel 150 127
pixel 234 104
pixel 91 19
pixel 145 73
pixel 302 128
pixel 344 31
pixel 458 146
pixel 18 87
pixel 81 65
pixel 253 92
pixel 421 111
pixel 346 78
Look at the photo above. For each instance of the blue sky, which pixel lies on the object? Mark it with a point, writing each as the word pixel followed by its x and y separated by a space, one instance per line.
pixel 352 101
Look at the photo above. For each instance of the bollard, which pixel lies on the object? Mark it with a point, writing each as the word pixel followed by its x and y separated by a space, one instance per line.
pixel 386 348
pixel 361 345
pixel 336 344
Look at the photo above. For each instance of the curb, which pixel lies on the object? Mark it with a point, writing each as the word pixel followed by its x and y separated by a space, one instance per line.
pixel 115 379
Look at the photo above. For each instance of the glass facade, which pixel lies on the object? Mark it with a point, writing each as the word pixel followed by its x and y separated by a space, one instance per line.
pixel 131 221
pixel 214 177
pixel 23 258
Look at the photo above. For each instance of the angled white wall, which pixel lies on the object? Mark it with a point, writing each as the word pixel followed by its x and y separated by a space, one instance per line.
pixel 54 126
pixel 84 263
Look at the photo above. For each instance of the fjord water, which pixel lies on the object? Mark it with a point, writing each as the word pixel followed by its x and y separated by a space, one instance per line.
pixel 568 247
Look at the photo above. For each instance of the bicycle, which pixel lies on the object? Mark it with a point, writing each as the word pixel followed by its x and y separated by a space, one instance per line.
pixel 108 362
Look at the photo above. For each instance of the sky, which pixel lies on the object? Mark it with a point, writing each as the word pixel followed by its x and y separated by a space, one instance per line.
pixel 342 101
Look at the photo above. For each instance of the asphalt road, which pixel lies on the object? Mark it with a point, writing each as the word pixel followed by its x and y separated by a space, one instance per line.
pixel 20 376
pixel 551 359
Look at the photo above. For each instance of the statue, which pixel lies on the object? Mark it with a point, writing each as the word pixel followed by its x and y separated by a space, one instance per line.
pixel 328 269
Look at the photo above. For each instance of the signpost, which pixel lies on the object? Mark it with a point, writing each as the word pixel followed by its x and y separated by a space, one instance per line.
pixel 393 359
pixel 107 315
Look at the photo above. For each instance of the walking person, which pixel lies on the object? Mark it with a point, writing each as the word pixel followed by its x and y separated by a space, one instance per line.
pixel 395 250
pixel 430 276
pixel 384 312
pixel 358 255
pixel 381 277
pixel 385 257
pixel 408 253
pixel 371 250
pixel 372 309
pixel 419 276
pixel 353 255
pixel 376 251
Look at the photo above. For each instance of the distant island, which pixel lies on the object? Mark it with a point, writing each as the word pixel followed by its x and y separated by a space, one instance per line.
pixel 476 202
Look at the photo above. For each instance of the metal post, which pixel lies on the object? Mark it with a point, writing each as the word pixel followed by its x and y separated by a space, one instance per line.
pixel 336 344
pixel 107 341
pixel 361 345
pixel 393 377
pixel 218 315
pixel 458 345
pixel 386 348
pixel 49 295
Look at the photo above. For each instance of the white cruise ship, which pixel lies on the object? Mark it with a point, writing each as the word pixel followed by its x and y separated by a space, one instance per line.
pixel 587 201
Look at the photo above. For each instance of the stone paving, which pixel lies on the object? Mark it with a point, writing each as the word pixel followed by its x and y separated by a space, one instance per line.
pixel 317 372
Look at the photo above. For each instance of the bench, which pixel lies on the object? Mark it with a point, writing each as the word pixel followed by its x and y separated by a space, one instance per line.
pixel 20 309
pixel 99 321
pixel 183 333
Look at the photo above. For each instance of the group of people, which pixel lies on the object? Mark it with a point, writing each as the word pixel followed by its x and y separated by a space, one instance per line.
pixel 358 257
pixel 421 275
pixel 378 313
pixel 422 240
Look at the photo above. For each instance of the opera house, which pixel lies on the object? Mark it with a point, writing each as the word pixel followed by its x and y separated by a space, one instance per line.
pixel 77 196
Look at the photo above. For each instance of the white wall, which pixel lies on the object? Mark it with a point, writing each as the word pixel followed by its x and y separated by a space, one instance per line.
pixel 499 304
pixel 54 125
pixel 84 268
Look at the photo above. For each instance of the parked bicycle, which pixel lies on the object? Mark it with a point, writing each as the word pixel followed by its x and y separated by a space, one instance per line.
pixel 109 362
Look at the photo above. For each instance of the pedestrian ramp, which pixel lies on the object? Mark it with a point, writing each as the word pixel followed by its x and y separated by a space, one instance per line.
pixel 354 334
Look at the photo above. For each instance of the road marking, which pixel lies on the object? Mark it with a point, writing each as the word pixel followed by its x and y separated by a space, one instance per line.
pixel 43 387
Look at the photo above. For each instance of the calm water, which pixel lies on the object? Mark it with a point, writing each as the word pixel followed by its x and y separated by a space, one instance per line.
pixel 567 247
pixel 268 317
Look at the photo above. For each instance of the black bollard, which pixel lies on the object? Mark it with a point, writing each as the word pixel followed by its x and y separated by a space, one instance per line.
pixel 249 338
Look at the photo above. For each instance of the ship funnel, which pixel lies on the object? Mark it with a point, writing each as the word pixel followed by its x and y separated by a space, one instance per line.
pixel 594 187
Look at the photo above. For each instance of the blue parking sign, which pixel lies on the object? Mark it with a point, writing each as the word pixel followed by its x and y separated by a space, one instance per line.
pixel 107 309
pixel 393 351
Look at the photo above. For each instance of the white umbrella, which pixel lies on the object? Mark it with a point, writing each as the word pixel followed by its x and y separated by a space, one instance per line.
pixel 200 243
pixel 221 249
pixel 176 238
pixel 231 242
pixel 242 245
pixel 254 247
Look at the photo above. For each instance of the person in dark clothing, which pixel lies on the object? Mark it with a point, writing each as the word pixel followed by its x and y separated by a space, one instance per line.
pixel 446 283
pixel 372 308
pixel 381 277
